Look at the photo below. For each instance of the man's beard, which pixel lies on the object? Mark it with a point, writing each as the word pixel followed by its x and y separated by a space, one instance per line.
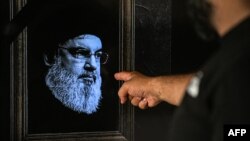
pixel 200 12
pixel 79 95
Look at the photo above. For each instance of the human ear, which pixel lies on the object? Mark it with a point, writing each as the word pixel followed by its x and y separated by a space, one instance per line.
pixel 48 61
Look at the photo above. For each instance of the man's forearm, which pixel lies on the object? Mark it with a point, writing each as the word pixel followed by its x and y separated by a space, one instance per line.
pixel 171 88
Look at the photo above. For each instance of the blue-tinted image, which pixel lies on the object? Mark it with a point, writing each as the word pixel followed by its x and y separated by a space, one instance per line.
pixel 73 53
pixel 75 78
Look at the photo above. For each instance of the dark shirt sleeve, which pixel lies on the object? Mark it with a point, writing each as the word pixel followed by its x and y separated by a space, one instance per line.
pixel 223 99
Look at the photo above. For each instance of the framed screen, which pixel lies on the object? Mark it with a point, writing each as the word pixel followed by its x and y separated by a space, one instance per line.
pixel 63 64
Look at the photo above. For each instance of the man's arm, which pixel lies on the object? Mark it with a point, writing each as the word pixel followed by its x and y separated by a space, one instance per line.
pixel 144 91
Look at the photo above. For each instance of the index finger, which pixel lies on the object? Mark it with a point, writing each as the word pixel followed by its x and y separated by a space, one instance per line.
pixel 124 76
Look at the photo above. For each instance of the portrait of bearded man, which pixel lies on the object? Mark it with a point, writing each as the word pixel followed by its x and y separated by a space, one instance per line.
pixel 75 78
pixel 73 52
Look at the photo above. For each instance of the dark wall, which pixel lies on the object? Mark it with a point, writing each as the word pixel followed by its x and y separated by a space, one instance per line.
pixel 153 36
pixel 153 57
pixel 166 43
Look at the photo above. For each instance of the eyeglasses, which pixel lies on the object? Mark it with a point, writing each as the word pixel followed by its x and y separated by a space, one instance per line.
pixel 82 53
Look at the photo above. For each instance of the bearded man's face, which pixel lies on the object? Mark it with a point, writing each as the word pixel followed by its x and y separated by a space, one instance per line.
pixel 74 78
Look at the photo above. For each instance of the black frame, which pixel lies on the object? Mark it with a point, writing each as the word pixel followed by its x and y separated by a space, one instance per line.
pixel 19 85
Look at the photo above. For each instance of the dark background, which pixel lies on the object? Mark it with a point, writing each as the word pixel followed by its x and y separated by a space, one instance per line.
pixel 4 74
pixel 153 57
pixel 186 50
pixel 165 43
